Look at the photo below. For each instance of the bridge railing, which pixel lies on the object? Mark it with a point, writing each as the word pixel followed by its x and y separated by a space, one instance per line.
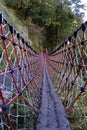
pixel 67 66
pixel 20 78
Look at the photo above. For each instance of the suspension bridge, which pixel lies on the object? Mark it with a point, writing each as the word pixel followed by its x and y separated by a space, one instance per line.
pixel 38 89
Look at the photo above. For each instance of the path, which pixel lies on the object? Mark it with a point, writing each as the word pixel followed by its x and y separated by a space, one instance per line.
pixel 52 115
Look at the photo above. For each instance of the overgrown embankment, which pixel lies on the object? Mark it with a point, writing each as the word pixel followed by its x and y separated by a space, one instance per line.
pixel 48 23
pixel 31 32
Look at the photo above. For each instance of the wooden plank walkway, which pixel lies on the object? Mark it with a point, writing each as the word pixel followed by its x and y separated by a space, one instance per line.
pixel 52 115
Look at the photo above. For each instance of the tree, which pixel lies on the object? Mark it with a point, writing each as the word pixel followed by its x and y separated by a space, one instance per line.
pixel 55 16
pixel 77 6
pixel 60 27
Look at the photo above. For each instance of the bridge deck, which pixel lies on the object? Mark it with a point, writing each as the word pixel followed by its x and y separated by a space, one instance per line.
pixel 21 72
pixel 52 115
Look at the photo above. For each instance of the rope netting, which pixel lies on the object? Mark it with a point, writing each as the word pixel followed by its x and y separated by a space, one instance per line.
pixel 21 69
pixel 67 66
pixel 20 79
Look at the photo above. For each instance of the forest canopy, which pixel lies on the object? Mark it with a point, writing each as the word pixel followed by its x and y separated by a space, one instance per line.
pixel 59 18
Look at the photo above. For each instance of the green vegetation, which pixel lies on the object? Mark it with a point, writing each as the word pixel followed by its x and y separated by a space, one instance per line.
pixel 23 115
pixel 45 24
pixel 53 19
pixel 11 17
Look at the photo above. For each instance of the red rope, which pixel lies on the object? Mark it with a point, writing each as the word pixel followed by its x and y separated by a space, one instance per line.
pixel 67 64
pixel 28 65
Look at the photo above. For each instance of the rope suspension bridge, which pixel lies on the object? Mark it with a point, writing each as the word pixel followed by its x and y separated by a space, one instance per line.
pixel 28 78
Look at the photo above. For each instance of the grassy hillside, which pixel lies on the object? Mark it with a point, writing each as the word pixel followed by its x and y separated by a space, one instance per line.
pixel 9 14
pixel 32 33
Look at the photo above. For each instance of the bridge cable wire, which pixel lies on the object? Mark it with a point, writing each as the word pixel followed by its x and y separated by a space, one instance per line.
pixel 67 66
pixel 20 78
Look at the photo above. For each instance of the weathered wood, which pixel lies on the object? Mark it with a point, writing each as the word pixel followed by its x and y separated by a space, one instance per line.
pixel 52 115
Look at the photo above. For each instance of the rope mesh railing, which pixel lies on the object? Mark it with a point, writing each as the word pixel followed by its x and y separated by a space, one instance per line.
pixel 21 69
pixel 67 66
pixel 20 79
